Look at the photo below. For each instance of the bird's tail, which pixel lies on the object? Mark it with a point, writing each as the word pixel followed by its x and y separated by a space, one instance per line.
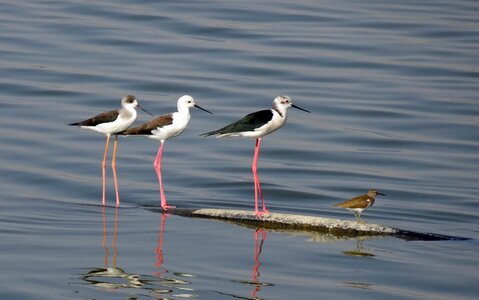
pixel 210 133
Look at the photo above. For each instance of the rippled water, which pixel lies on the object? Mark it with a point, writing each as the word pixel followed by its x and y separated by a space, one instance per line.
pixel 393 90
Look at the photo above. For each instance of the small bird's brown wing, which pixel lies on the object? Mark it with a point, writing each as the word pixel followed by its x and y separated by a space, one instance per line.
pixel 356 202
pixel 148 127
pixel 106 117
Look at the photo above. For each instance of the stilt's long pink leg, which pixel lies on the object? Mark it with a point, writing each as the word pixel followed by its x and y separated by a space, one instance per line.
pixel 254 167
pixel 103 169
pixel 113 168
pixel 260 193
pixel 157 166
pixel 257 184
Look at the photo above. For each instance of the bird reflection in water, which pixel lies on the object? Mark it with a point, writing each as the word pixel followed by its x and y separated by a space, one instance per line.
pixel 110 276
pixel 168 284
pixel 159 285
pixel 359 251
pixel 258 247
pixel 260 237
pixel 159 247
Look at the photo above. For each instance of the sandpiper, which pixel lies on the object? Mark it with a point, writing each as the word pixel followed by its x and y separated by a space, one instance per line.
pixel 108 123
pixel 162 128
pixel 257 125
pixel 360 203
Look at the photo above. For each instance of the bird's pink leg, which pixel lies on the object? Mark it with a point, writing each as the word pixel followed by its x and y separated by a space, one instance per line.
pixel 103 169
pixel 260 193
pixel 257 184
pixel 113 167
pixel 157 166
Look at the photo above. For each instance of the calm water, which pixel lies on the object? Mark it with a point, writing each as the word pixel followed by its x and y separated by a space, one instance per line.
pixel 393 89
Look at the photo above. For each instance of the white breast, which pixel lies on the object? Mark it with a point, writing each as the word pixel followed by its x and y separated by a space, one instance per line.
pixel 276 123
pixel 176 128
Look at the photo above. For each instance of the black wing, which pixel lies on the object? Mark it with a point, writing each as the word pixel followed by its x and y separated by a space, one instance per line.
pixel 105 117
pixel 248 123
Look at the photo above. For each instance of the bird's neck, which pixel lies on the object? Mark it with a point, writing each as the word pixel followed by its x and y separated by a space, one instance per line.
pixel 127 112
pixel 280 110
pixel 184 111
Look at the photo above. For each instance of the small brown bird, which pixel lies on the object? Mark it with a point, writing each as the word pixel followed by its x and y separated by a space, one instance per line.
pixel 360 203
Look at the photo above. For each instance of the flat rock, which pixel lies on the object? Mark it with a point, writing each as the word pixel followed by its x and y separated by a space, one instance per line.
pixel 289 221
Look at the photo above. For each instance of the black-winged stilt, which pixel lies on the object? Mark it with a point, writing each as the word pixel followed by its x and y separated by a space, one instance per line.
pixel 162 128
pixel 108 123
pixel 257 125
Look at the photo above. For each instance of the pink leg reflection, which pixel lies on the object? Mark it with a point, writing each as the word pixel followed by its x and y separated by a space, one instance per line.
pixel 159 248
pixel 258 247
pixel 113 241
pixel 257 185
pixel 105 239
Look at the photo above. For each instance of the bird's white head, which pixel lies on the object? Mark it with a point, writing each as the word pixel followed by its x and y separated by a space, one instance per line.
pixel 129 102
pixel 186 101
pixel 281 103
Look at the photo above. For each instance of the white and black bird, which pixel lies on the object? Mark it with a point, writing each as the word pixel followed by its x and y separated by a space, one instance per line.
pixel 162 128
pixel 257 125
pixel 109 123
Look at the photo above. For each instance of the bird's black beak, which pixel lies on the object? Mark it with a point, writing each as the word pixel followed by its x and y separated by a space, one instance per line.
pixel 197 106
pixel 297 107
pixel 140 107
pixel 380 194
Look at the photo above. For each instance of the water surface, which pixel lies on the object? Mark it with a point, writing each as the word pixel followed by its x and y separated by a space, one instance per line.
pixel 393 92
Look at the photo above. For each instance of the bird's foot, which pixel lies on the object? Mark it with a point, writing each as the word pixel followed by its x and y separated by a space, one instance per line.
pixel 260 214
pixel 167 207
